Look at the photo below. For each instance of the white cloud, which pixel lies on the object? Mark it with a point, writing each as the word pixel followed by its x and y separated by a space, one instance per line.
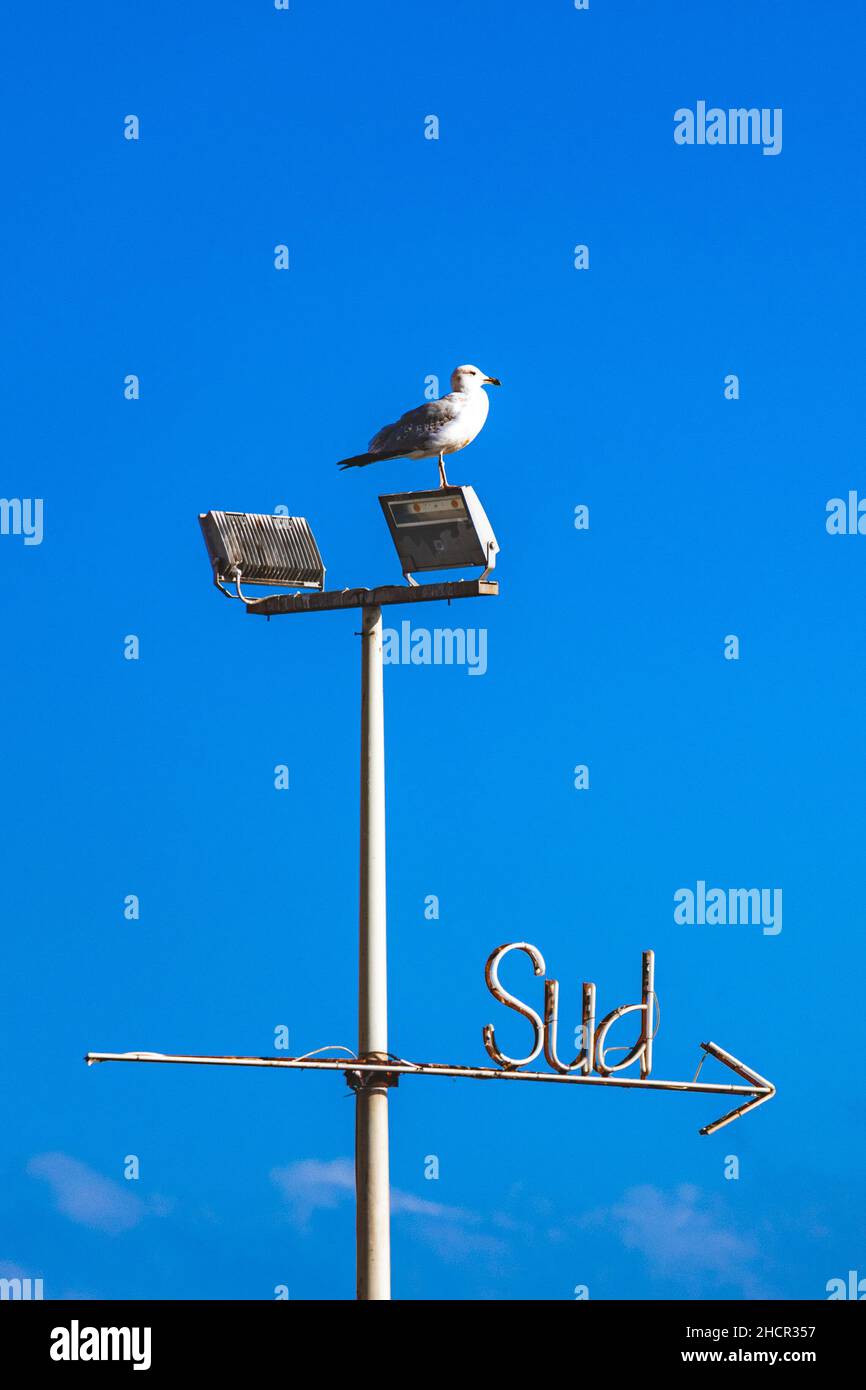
pixel 682 1235
pixel 314 1184
pixel 86 1196
pixel 8 1270
pixel 408 1203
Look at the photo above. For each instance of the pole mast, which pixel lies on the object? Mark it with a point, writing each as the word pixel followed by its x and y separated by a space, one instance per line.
pixel 373 1215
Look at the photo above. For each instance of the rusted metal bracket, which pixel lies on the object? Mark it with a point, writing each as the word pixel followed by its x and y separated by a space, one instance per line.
pixel 272 604
pixel 367 1080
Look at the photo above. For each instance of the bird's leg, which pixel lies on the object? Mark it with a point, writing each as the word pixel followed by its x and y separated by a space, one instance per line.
pixel 443 481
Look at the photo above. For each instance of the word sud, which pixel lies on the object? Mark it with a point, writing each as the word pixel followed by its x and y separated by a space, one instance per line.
pixel 593 1052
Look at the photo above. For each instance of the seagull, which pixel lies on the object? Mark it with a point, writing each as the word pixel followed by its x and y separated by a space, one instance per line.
pixel 436 428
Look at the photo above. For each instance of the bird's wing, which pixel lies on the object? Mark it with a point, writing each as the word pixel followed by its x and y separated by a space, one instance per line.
pixel 418 428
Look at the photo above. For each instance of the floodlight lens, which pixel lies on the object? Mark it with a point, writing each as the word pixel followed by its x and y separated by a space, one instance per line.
pixel 445 529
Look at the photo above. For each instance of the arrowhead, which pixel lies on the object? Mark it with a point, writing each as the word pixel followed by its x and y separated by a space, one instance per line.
pixel 764 1089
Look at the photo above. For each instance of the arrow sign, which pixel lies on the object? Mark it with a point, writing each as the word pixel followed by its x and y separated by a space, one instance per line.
pixel 591 1068
pixel 765 1089
pixel 360 1073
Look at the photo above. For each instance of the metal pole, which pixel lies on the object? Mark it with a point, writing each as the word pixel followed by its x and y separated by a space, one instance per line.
pixel 371 1096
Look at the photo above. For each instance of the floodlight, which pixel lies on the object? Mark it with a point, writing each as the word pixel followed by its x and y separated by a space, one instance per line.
pixel 440 530
pixel 245 547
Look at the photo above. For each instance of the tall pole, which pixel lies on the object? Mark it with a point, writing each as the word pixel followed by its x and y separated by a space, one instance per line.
pixel 371 1096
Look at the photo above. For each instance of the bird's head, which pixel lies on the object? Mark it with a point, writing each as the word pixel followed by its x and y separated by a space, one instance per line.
pixel 469 378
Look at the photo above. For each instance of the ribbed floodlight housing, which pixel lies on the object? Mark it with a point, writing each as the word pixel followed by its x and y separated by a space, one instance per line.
pixel 248 548
pixel 440 530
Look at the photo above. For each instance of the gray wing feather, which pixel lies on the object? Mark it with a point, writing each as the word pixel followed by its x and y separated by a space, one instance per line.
pixel 415 429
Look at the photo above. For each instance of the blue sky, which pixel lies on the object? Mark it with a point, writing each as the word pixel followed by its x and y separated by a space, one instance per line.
pixel 605 648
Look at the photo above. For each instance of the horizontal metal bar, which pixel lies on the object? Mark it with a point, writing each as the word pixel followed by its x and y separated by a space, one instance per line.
pixel 433 1069
pixel 273 604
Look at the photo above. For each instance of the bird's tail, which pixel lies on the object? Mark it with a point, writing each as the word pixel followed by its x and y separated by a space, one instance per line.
pixel 361 460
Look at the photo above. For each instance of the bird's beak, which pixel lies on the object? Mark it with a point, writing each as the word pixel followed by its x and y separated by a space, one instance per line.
pixel 492 381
